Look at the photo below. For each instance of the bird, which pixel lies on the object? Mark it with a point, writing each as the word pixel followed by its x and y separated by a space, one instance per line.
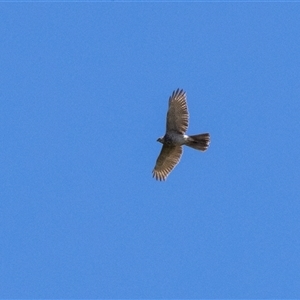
pixel 175 136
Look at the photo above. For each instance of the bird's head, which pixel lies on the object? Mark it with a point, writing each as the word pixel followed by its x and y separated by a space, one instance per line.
pixel 160 139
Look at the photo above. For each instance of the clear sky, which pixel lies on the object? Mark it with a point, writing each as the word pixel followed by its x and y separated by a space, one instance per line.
pixel 83 98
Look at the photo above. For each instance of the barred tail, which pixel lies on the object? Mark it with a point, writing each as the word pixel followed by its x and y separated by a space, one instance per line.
pixel 199 141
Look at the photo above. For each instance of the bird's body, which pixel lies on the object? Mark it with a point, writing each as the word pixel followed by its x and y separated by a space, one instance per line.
pixel 175 137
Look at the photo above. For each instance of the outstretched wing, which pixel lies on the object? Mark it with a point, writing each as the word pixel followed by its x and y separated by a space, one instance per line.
pixel 177 116
pixel 166 161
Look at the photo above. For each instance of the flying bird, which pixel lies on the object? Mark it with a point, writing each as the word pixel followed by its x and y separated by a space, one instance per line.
pixel 175 137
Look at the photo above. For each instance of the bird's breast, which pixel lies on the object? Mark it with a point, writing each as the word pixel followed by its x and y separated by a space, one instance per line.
pixel 174 139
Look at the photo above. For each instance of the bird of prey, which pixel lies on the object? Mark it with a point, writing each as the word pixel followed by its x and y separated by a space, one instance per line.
pixel 175 137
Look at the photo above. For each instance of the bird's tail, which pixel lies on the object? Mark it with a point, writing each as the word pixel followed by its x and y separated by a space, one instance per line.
pixel 199 141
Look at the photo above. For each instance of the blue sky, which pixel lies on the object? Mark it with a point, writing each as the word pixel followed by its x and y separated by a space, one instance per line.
pixel 83 98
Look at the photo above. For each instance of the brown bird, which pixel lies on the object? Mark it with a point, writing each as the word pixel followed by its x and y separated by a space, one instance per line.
pixel 175 137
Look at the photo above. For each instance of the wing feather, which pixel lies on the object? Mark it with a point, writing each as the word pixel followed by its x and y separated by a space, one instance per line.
pixel 166 161
pixel 178 116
